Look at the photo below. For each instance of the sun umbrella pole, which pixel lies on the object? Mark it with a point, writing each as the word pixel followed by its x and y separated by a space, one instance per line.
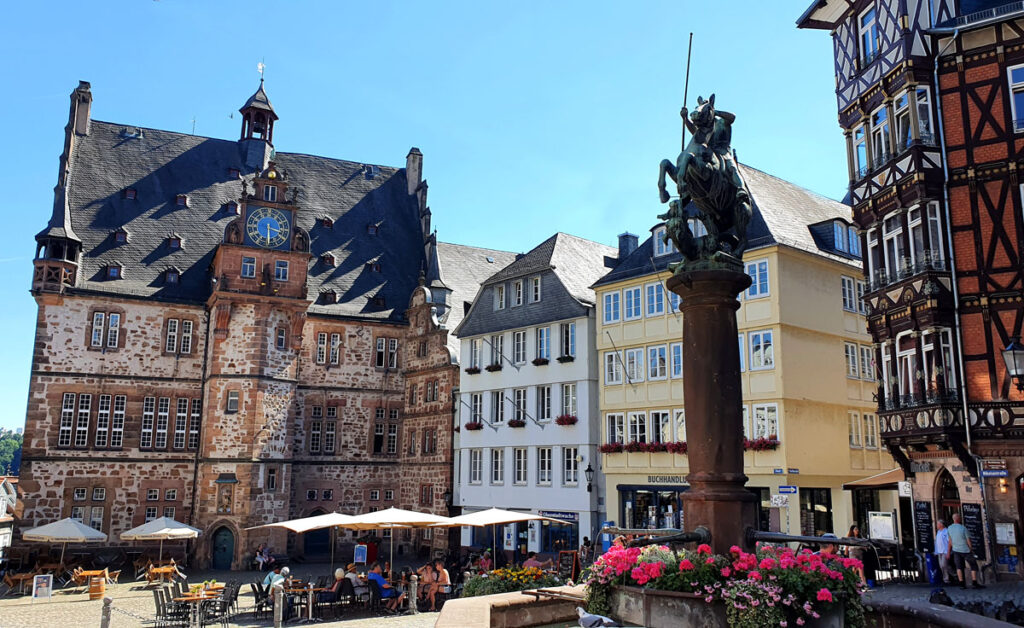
pixel 391 573
pixel 161 558
pixel 333 543
pixel 63 547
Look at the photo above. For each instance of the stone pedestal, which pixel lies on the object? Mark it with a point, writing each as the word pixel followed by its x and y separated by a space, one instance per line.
pixel 713 397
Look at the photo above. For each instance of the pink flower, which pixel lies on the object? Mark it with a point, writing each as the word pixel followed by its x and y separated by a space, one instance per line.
pixel 703 548
pixel 799 621
pixel 767 563
pixel 783 624
pixel 726 572
pixel 824 595
pixel 685 564
pixel 709 561
pixel 735 549
pixel 754 575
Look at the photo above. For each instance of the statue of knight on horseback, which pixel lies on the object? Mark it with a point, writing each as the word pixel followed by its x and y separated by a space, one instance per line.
pixel 706 173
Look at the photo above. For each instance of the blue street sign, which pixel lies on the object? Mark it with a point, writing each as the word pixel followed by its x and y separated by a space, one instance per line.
pixel 792 470
pixel 790 490
pixel 995 473
pixel 777 471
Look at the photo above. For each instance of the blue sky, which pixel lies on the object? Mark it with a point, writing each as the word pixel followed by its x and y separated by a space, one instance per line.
pixel 532 117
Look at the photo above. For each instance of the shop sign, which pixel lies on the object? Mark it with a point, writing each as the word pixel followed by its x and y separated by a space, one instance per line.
pixel 904 489
pixel 920 467
pixel 666 479
pixel 994 468
pixel 571 517
pixel 788 489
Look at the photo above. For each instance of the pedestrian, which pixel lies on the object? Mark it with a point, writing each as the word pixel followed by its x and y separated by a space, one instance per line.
pixel 943 547
pixel 963 557
pixel 857 552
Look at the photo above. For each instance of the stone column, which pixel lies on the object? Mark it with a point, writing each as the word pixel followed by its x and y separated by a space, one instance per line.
pixel 717 498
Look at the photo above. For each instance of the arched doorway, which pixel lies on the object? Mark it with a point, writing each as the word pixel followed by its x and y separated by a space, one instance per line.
pixel 948 497
pixel 223 548
pixel 316 542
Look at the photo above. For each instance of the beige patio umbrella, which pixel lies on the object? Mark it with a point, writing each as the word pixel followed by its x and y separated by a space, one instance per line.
pixel 494 517
pixel 64 531
pixel 330 520
pixel 394 518
pixel 163 528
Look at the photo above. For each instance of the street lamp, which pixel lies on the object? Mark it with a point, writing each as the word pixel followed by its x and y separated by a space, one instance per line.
pixel 589 472
pixel 1013 355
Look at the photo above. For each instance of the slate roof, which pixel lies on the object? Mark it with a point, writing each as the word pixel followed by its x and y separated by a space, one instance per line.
pixel 259 100
pixel 577 263
pixel 784 214
pixel 463 269
pixel 159 165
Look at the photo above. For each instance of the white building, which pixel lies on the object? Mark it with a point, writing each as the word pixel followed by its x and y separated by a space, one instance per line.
pixel 528 407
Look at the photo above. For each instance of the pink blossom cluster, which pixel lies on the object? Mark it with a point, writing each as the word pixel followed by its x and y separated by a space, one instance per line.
pixel 645 572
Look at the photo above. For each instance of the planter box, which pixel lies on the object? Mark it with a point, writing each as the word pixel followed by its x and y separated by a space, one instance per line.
pixel 669 609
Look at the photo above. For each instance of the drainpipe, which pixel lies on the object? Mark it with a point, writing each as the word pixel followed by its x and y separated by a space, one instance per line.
pixel 956 296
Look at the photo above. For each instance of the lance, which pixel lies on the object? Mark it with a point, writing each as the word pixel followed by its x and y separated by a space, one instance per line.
pixel 686 85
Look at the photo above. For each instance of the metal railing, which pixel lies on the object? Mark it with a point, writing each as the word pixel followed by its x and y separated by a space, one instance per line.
pixel 913 400
pixel 928 261
pixel 989 14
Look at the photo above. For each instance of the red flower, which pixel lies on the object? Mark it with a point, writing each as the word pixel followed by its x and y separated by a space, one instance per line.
pixel 685 564
pixel 824 595
pixel 754 575
pixel 703 548
pixel 726 572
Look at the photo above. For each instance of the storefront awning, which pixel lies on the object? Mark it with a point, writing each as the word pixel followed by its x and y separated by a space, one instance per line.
pixel 884 480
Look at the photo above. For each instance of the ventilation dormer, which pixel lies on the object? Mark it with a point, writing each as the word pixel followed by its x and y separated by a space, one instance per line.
pixel 120 236
pixel 327 259
pixel 181 200
pixel 113 270
pixel 174 243
pixel 129 194
pixel 172 276
pixel 327 297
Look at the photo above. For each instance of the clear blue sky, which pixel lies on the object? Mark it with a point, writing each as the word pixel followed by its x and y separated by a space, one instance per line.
pixel 533 117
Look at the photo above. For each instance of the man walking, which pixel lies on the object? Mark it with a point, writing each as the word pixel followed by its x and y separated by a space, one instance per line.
pixel 961 547
pixel 942 551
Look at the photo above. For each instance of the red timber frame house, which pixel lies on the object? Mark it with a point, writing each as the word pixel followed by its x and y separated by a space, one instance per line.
pixel 931 101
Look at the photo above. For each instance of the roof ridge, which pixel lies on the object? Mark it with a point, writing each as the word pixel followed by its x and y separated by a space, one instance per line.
pixel 476 248
pixel 795 185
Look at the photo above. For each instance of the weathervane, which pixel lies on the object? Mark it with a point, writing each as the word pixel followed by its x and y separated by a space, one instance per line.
pixel 260 67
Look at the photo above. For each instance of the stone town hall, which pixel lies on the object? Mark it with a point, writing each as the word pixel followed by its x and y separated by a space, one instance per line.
pixel 231 336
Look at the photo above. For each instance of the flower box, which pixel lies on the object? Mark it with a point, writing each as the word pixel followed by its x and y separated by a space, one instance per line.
pixel 540 361
pixel 473 370
pixel 611 448
pixel 517 423
pixel 670 609
pixel 566 358
pixel 566 419
pixel 761 444
pixel 492 368
pixel 474 425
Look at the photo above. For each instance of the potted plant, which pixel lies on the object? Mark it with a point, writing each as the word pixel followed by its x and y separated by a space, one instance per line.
pixel 540 361
pixel 493 367
pixel 611 448
pixel 474 425
pixel 473 370
pixel 566 419
pixel 516 423
pixel 566 358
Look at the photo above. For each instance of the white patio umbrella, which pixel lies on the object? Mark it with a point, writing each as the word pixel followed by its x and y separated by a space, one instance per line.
pixel 394 518
pixel 64 531
pixel 494 517
pixel 330 520
pixel 164 528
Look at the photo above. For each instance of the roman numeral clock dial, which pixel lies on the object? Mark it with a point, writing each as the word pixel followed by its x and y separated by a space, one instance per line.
pixel 268 227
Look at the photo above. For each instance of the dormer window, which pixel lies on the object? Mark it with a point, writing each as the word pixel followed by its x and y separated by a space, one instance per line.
pixel 328 296
pixel 374 266
pixel 120 236
pixel 839 236
pixel 660 247
pixel 371 172
pixel 232 208
pixel 234 173
pixel 378 301
pixel 172 276
pixel 129 194
pixel 372 229
pixel 174 243
pixel 181 200
pixel 114 271
pixel 327 222
pixel 270 193
pixel 854 241
pixel 327 259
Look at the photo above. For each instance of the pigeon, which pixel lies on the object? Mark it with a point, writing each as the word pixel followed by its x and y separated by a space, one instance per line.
pixel 588 620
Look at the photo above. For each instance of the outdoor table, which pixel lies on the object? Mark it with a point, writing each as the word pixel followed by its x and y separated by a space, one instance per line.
pixel 310 599
pixel 20 579
pixel 161 573
pixel 82 577
pixel 195 601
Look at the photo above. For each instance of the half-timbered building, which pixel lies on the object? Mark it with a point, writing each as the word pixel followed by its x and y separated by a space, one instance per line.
pixel 927 94
pixel 224 337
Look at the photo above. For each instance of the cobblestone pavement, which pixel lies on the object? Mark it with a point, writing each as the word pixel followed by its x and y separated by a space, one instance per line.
pixel 983 601
pixel 133 603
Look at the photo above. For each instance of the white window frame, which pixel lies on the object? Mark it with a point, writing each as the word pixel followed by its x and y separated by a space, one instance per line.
pixel 839 235
pixel 570 466
pixel 615 423
pixel 543 343
pixel 675 359
pixel 335 353
pixel 870 431
pixel 517 293
pixel 635 366
pixel 519 404
pixel 270 193
pixel 544 458
pixel 760 285
pixel 67 420
pixel 535 289
pixel 163 419
pixel 657 363
pixel 117 422
pixel 633 303
pixel 771 419
pixel 660 248
pixel 476 408
pixel 654 299
pixel 321 347
pixel 520 459
pixel 499 297
pixel 185 345
pixel 852 357
pixel 679 416
pixel 281 270
pixel 474 353
pixel 612 300
pixel 762 361
pixel 519 347
pixel 567 340
pixel 856 430
pixel 102 421
pixel 180 423
pixel 849 290
pixel 248 267
pixel 497 407
pixel 867 359
pixel 497 466
pixel 497 349
pixel 660 426
pixel 82 420
pixel 743 352
pixel 862 289
pixel 637 427
pixel 860 151
pixel 612 368
pixel 98 327
pixel 544 403
pixel 569 400
pixel 868 47
pixel 171 337
pixel 881 144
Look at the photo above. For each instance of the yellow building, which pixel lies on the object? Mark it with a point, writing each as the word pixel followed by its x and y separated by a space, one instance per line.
pixel 807 370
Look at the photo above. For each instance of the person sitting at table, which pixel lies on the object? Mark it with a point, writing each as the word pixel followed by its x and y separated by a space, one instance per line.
pixel 427 577
pixel 472 564
pixel 531 561
pixel 486 564
pixel 441 580
pixel 331 594
pixel 273 576
pixel 263 557
pixel 386 571
pixel 393 596
pixel 358 585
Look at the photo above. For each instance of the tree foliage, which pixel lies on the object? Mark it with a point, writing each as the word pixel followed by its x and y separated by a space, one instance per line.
pixel 10 452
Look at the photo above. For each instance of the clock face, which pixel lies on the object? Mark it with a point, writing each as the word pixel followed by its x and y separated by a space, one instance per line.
pixel 267 227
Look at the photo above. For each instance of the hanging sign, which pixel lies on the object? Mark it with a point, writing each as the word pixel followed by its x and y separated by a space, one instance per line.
pixel 787 489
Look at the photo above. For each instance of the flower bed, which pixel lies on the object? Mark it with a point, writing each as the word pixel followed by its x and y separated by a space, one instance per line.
pixel 774 587
pixel 516 423
pixel 759 444
pixel 566 419
pixel 474 425
pixel 509 580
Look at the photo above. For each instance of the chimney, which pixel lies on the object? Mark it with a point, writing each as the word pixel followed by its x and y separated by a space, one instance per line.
pixel 414 169
pixel 627 244
pixel 81 108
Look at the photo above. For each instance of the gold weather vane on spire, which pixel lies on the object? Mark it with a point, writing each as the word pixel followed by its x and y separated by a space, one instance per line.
pixel 260 67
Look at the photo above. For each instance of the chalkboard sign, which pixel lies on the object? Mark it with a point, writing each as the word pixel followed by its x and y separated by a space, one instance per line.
pixel 924 528
pixel 568 565
pixel 975 529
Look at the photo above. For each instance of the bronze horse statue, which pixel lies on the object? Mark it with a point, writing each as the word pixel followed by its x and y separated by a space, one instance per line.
pixel 706 173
